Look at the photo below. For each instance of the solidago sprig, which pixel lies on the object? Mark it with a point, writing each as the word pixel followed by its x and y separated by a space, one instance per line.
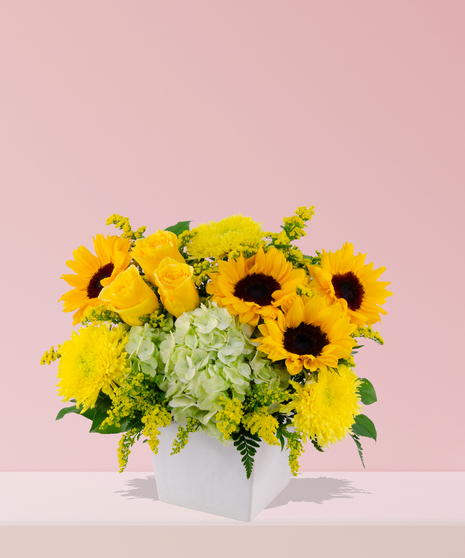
pixel 368 332
pixel 158 417
pixel 127 440
pixel 182 436
pixel 296 448
pixel 265 395
pixel 263 424
pixel 293 227
pixel 123 224
pixel 229 417
pixel 304 291
pixel 50 356
pixel 101 314
pixel 133 399
pixel 159 319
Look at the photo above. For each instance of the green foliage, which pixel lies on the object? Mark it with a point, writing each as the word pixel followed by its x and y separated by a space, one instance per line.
pixel 313 260
pixel 66 410
pixel 280 436
pixel 364 426
pixel 367 392
pixel 97 415
pixel 264 395
pixel 247 444
pixel 356 439
pixel 179 228
pixel 131 401
pixel 316 445
pixel 101 413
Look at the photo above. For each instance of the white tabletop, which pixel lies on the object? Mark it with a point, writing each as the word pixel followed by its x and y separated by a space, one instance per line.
pixel 374 504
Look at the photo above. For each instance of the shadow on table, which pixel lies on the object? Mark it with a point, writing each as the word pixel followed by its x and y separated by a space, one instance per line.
pixel 140 488
pixel 316 490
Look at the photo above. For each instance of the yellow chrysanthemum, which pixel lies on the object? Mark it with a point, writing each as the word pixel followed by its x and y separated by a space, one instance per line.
pixel 255 286
pixel 326 410
pixel 344 279
pixel 309 334
pixel 218 239
pixel 94 273
pixel 93 360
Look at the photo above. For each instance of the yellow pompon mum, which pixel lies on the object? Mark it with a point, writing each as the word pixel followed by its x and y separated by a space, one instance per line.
pixel 310 334
pixel 218 239
pixel 93 360
pixel 344 279
pixel 94 272
pixel 326 410
pixel 255 287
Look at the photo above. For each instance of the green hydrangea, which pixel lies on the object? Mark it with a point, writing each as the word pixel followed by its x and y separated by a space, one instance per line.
pixel 143 348
pixel 208 357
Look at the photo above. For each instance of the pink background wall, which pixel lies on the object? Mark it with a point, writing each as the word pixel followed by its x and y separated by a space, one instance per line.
pixel 167 110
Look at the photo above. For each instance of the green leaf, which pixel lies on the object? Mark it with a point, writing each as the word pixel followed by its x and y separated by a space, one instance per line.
pixel 280 436
pixel 367 392
pixel 248 443
pixel 102 406
pixel 97 415
pixel 356 439
pixel 179 228
pixel 363 426
pixel 316 445
pixel 89 414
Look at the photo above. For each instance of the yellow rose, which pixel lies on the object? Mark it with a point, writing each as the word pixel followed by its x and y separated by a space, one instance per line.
pixel 130 296
pixel 149 252
pixel 177 290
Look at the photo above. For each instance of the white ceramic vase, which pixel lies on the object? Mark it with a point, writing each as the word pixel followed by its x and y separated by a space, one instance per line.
pixel 210 477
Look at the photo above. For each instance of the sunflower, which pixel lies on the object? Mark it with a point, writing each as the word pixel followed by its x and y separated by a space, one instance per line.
pixel 344 279
pixel 326 410
pixel 93 360
pixel 309 335
pixel 255 287
pixel 94 273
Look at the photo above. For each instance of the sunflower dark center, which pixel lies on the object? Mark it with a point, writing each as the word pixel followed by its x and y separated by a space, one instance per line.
pixel 348 286
pixel 94 287
pixel 257 287
pixel 305 339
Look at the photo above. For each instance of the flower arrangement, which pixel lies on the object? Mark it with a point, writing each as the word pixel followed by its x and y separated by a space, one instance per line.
pixel 224 328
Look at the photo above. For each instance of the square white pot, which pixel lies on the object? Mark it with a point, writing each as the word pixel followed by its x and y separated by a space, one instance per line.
pixel 210 477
